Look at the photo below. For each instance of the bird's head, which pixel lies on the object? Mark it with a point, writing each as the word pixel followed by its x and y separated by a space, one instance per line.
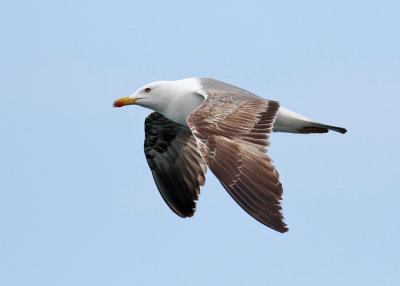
pixel 153 95
pixel 159 95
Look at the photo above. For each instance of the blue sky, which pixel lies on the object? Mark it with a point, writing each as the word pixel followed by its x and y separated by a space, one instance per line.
pixel 78 205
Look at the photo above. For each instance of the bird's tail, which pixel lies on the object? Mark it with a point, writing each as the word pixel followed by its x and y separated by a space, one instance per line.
pixel 289 121
pixel 316 127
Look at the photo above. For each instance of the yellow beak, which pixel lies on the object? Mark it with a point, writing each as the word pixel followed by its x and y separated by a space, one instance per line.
pixel 124 101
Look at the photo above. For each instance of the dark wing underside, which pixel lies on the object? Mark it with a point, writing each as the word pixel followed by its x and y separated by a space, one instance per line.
pixel 175 163
pixel 232 133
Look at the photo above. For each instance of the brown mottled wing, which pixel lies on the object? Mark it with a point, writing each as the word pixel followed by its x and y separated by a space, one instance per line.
pixel 232 133
pixel 177 167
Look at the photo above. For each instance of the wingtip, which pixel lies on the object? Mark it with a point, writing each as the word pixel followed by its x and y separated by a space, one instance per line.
pixel 282 229
pixel 323 128
pixel 339 129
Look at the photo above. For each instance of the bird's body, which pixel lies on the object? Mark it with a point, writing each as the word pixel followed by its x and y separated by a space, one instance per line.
pixel 204 122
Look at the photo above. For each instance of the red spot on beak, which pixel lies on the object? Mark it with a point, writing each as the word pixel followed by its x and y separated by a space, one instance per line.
pixel 118 103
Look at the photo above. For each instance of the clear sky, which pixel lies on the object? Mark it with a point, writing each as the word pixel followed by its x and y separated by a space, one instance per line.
pixel 78 205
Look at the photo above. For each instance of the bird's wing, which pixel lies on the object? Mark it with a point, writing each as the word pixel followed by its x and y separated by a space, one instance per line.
pixel 177 167
pixel 232 130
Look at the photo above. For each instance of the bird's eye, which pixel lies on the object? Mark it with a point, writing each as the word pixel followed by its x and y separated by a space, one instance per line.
pixel 147 90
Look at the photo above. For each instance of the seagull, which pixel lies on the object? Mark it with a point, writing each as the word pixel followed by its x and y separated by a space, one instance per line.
pixel 200 122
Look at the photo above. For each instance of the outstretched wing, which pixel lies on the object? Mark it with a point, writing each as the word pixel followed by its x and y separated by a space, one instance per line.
pixel 231 128
pixel 177 167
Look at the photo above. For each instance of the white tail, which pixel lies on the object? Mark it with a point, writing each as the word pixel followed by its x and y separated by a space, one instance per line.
pixel 289 121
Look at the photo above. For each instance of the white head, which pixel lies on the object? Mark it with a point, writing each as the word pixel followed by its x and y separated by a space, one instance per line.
pixel 159 95
pixel 153 95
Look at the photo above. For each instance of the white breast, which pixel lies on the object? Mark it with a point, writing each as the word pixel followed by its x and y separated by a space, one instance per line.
pixel 182 106
pixel 184 98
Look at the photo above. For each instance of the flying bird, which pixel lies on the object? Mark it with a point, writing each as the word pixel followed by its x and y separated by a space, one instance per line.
pixel 200 122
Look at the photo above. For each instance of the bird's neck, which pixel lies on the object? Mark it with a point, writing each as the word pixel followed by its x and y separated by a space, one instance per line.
pixel 180 98
pixel 181 105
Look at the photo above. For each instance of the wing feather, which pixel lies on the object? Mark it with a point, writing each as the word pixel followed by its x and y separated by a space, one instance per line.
pixel 175 162
pixel 232 129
